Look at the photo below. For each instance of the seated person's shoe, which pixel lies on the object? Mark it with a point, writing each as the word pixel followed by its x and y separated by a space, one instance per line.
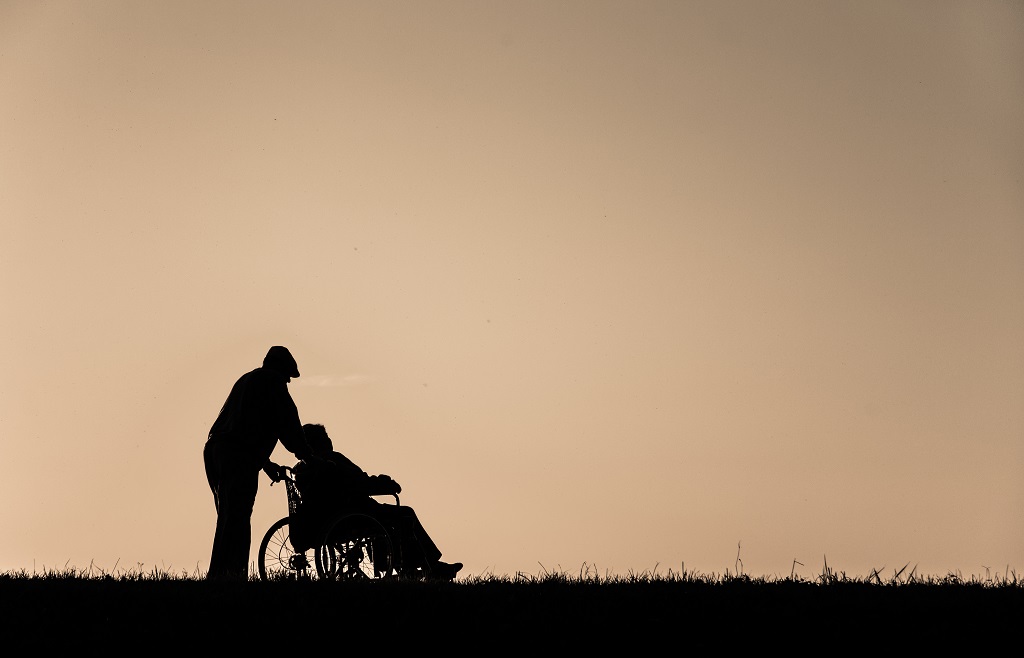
pixel 444 571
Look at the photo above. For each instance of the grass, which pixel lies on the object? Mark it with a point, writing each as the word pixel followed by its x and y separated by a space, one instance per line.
pixel 587 575
pixel 551 610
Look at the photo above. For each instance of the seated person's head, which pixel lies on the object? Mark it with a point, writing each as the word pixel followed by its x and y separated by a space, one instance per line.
pixel 317 439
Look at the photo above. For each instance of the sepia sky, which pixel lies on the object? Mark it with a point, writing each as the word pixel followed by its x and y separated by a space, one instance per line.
pixel 621 286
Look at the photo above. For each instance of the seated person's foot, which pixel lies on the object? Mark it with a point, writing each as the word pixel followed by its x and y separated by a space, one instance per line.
pixel 445 571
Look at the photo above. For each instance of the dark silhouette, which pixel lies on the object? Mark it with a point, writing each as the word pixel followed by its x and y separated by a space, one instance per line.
pixel 335 483
pixel 258 412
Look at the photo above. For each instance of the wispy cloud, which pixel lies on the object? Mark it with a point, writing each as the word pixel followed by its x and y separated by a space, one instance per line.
pixel 330 380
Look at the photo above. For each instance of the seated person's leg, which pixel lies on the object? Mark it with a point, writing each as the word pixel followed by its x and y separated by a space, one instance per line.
pixel 418 549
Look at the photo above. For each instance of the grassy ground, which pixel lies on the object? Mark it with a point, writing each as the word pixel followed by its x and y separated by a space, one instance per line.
pixel 147 611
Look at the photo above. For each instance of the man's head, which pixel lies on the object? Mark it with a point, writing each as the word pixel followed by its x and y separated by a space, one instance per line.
pixel 317 439
pixel 280 360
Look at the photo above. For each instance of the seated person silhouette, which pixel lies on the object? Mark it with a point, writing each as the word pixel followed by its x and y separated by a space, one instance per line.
pixel 336 483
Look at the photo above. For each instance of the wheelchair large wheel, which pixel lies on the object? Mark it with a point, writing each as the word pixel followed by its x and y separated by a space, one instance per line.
pixel 278 559
pixel 355 547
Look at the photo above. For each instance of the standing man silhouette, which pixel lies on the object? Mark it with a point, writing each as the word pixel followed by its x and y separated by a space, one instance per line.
pixel 258 412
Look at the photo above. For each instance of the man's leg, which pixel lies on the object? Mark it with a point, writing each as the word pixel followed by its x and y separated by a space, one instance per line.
pixel 235 494
pixel 212 461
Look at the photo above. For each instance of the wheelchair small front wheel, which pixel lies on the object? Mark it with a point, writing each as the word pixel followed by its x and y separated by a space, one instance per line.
pixel 355 546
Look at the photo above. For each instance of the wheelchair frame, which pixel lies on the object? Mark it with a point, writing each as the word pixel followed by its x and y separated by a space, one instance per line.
pixel 346 546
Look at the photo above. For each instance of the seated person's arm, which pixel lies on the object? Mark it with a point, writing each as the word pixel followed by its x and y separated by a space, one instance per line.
pixel 383 485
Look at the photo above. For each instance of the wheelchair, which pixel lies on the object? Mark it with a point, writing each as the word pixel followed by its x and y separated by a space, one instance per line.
pixel 342 545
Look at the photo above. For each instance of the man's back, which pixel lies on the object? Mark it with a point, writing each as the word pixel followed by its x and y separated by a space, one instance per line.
pixel 257 412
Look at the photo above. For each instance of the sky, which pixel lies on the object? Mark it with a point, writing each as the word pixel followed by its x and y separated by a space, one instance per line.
pixel 608 287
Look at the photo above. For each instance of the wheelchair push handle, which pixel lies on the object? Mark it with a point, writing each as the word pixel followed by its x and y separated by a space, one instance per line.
pixel 277 472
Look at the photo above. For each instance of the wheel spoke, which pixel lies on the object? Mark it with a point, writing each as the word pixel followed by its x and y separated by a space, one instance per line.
pixel 278 559
pixel 357 546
